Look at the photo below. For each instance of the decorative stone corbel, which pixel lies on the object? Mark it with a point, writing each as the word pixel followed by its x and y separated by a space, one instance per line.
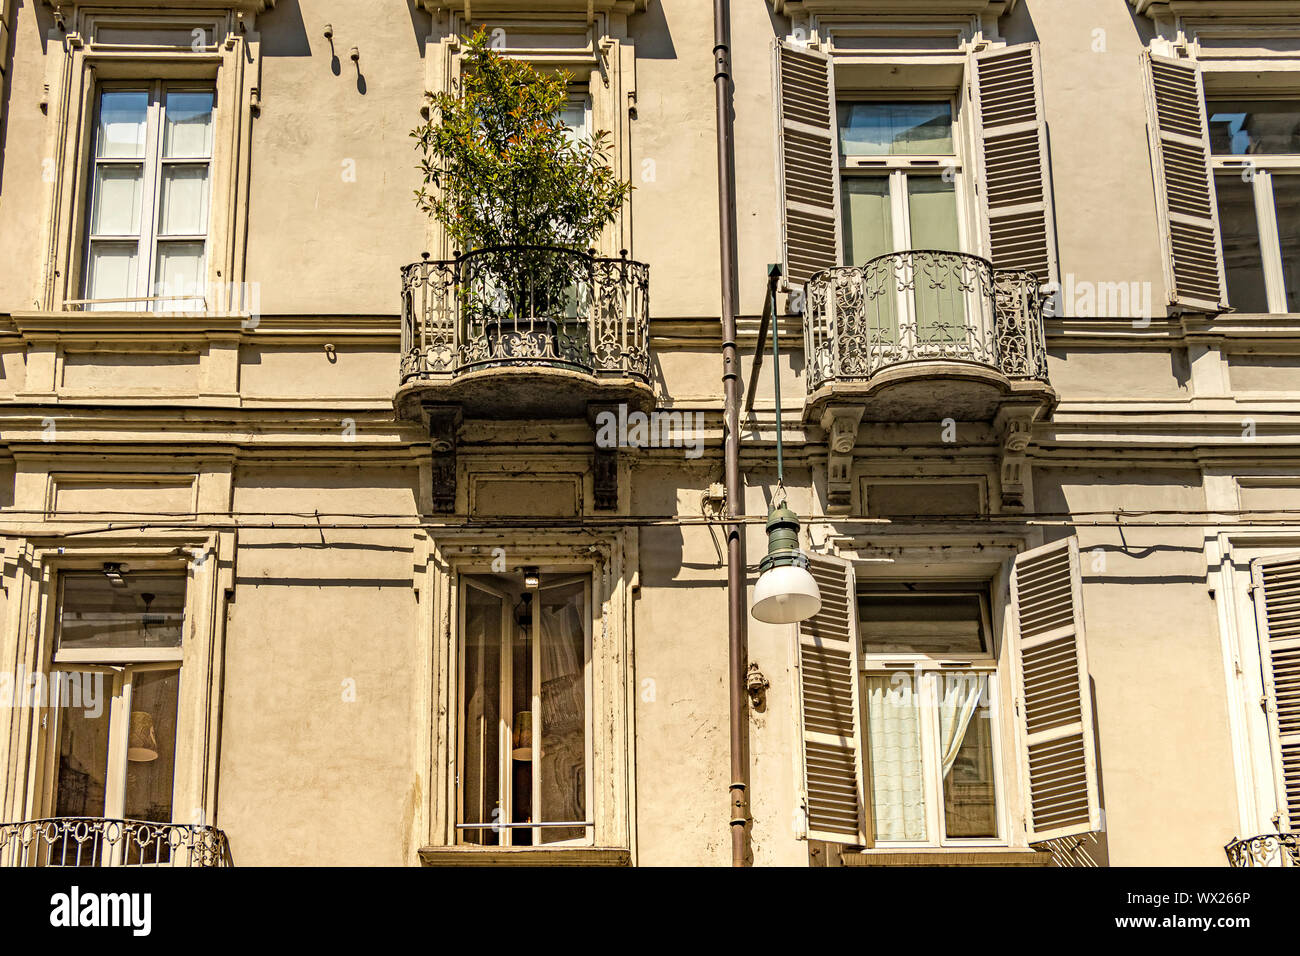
pixel 841 425
pixel 1015 426
pixel 604 470
pixel 444 423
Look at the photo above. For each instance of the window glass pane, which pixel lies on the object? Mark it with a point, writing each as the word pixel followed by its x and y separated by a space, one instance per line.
pixel 574 117
pixel 936 624
pixel 179 278
pixel 894 746
pixel 122 123
pixel 523 720
pixel 895 129
pixel 183 206
pixel 188 125
pixel 112 272
pixel 939 290
pixel 1245 127
pixel 563 710
pixel 130 609
pixel 869 232
pixel 84 701
pixel 116 210
pixel 966 752
pixel 932 209
pixel 868 221
pixel 151 746
pixel 1286 196
pixel 481 715
pixel 1243 263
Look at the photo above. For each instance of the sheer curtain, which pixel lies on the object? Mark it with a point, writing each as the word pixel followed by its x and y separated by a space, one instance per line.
pixel 960 697
pixel 894 734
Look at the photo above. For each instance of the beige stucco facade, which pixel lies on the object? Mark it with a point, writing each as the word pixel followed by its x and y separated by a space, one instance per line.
pixel 255 448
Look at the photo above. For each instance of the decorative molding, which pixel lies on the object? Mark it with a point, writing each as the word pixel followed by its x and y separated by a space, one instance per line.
pixel 841 425
pixel 1235 9
pixel 169 6
pixel 444 423
pixel 1015 425
pixel 473 8
pixel 524 856
pixel 995 8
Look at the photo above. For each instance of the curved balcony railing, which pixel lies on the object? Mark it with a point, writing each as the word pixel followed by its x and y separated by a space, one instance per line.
pixel 920 306
pixel 525 305
pixel 1267 849
pixel 96 841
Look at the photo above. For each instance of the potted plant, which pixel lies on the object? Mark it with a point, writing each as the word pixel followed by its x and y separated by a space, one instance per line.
pixel 519 193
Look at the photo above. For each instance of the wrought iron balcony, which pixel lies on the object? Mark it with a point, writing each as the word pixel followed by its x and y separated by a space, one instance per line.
pixel 517 331
pixel 95 841
pixel 1267 849
pixel 914 317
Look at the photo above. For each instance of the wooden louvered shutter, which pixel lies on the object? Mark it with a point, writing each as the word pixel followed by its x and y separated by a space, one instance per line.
pixel 1016 178
pixel 1188 211
pixel 830 712
pixel 1054 706
pixel 1277 602
pixel 807 161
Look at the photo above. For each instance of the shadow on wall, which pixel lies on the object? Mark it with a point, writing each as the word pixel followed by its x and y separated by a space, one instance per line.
pixel 649 31
pixel 283 32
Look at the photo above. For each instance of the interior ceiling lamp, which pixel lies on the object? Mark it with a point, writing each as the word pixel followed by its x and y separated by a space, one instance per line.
pixel 786 592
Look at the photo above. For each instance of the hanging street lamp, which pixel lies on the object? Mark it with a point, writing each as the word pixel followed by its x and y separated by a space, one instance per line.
pixel 786 592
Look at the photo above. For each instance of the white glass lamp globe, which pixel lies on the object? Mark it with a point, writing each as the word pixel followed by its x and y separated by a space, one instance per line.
pixel 786 592
pixel 786 595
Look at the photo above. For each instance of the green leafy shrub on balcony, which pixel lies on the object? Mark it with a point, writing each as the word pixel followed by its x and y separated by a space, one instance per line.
pixel 500 168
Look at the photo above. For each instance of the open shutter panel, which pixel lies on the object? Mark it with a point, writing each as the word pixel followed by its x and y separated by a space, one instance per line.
pixel 1189 217
pixel 829 709
pixel 1054 706
pixel 1278 580
pixel 1016 178
pixel 808 161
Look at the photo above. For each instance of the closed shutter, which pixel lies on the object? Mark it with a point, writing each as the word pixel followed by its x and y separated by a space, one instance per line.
pixel 1277 581
pixel 1016 178
pixel 1054 706
pixel 807 161
pixel 830 718
pixel 1188 211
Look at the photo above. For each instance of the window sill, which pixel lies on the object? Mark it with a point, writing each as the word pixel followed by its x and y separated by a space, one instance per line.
pixel 524 856
pixel 942 856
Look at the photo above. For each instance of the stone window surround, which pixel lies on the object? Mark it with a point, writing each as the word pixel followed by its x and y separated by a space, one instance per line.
pixel 232 62
pixel 881 559
pixel 603 59
pixel 30 575
pixel 611 559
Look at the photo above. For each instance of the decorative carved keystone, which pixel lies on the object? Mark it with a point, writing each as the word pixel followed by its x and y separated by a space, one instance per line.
pixel 1015 425
pixel 444 423
pixel 841 424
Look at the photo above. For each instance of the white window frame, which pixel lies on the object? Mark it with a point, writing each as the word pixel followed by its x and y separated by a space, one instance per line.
pixel 1230 555
pixel 898 168
pixel 153 161
pixel 506 710
pixel 927 666
pixel 32 608
pixel 229 61
pixel 1259 170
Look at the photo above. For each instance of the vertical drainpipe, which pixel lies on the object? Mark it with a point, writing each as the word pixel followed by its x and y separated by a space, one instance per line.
pixel 737 636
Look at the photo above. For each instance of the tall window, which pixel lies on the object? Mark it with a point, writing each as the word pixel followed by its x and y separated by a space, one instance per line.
pixel 898 168
pixel 899 172
pixel 524 714
pixel 929 687
pixel 115 679
pixel 150 197
pixel 1255 152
